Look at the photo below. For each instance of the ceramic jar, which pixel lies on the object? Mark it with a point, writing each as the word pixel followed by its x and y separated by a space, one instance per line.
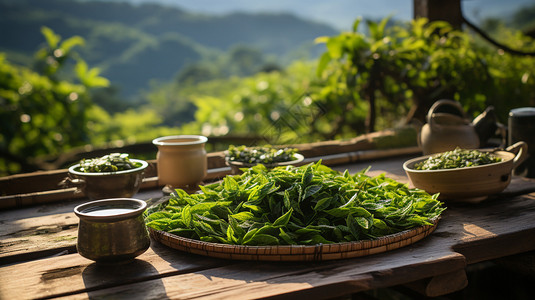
pixel 447 128
pixel 181 160
pixel 112 230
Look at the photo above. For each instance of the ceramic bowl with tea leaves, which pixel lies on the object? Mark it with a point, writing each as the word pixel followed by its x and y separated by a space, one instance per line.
pixel 459 178
pixel 238 157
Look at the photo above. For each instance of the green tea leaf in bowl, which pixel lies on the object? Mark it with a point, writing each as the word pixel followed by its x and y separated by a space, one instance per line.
pixel 260 155
pixel 108 163
pixel 458 158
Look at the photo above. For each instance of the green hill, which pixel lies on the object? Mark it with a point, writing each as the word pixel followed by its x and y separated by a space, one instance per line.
pixel 134 44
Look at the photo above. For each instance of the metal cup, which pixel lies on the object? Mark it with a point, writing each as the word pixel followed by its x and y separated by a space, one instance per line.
pixel 112 230
pixel 521 125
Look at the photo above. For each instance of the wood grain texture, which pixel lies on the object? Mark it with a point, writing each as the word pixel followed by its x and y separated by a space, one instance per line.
pixel 188 276
pixel 441 284
pixel 38 279
pixel 45 229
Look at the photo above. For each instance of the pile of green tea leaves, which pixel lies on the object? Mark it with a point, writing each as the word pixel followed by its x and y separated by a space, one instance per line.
pixel 304 205
pixel 260 155
pixel 458 158
pixel 108 163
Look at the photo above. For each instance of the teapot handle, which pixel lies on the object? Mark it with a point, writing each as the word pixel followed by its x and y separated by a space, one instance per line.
pixel 521 151
pixel 445 102
pixel 69 182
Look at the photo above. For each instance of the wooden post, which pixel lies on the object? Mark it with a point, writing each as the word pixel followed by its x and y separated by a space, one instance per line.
pixel 443 10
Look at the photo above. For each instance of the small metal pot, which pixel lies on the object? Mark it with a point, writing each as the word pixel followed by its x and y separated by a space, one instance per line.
pixel 112 230
pixel 106 184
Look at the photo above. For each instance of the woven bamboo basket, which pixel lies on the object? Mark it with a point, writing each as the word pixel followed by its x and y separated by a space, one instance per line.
pixel 317 252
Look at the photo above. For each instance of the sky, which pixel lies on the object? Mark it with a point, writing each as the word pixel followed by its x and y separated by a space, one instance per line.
pixel 341 13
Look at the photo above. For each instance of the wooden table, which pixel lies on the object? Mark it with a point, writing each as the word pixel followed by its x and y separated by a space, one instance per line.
pixel 38 256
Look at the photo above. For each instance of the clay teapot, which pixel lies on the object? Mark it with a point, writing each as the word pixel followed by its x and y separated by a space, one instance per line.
pixel 447 127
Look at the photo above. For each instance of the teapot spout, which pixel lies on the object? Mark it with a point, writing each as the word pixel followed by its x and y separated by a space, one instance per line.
pixel 485 125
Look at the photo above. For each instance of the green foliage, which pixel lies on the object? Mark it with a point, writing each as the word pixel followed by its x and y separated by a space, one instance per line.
pixel 368 80
pixel 304 205
pixel 376 80
pixel 40 114
pixel 273 105
pixel 402 70
pixel 129 126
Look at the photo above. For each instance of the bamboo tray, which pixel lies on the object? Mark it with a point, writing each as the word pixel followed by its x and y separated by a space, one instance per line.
pixel 317 252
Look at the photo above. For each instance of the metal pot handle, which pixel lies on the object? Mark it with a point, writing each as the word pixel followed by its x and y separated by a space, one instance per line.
pixel 69 182
pixel 521 151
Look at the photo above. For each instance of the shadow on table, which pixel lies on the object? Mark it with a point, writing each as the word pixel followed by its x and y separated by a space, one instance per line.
pixel 108 280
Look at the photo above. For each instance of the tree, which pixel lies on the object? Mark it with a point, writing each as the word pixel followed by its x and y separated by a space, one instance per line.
pixel 40 113
pixel 403 70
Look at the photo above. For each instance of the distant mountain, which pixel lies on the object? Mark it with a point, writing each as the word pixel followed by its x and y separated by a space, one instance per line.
pixel 341 13
pixel 134 44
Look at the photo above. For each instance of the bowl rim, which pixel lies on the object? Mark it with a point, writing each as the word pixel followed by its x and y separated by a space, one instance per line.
pixel 412 161
pixel 144 164
pixel 163 141
pixel 138 207
pixel 299 158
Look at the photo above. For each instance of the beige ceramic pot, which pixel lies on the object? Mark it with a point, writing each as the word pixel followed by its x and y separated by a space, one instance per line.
pixel 181 160
pixel 469 184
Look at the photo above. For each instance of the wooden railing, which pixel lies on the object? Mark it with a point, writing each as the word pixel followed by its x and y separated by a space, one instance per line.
pixel 43 186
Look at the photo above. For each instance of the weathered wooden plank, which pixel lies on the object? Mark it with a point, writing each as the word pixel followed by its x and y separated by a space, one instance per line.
pixel 49 180
pixel 40 231
pixel 45 188
pixel 35 198
pixel 34 235
pixel 290 281
pixel 441 284
pixel 181 275
pixel 423 254
pixel 72 273
pixel 477 231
